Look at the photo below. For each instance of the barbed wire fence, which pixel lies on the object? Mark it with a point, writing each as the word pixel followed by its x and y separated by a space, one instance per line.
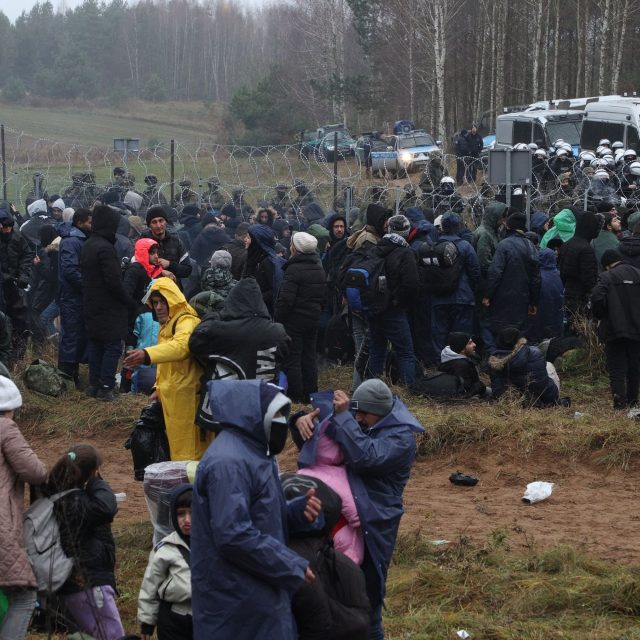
pixel 33 166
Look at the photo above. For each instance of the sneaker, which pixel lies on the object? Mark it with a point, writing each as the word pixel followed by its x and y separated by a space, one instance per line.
pixel 105 395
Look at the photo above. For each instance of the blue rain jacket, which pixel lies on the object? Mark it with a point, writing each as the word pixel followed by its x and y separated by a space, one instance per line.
pixel 242 573
pixel 379 463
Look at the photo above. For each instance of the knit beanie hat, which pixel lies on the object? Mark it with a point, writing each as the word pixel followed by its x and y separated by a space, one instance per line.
pixel 458 340
pixel 229 210
pixel 221 258
pixel 373 396
pixel 517 222
pixel 610 256
pixel 156 212
pixel 507 338
pixel 399 224
pixel 10 397
pixel 304 242
pixel 67 214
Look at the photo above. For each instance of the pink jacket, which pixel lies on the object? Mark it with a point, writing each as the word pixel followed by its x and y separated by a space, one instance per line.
pixel 333 473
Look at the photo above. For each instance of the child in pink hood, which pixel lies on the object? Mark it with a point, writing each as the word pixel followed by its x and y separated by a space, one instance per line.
pixel 329 467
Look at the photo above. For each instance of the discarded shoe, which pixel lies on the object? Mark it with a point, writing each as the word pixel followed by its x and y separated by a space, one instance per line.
pixel 463 479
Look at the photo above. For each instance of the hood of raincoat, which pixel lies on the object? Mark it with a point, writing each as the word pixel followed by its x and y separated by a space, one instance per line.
pixel 548 260
pixel 247 406
pixel 169 290
pixel 321 235
pixel 245 301
pixel 493 213
pixel 263 236
pixel 564 225
pixel 175 493
pixel 141 253
pixel 448 354
pixel 538 220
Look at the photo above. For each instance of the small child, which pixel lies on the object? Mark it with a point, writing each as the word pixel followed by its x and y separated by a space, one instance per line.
pixel 84 517
pixel 330 468
pixel 165 595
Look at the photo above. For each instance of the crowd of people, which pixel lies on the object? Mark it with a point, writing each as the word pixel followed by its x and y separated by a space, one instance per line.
pixel 223 314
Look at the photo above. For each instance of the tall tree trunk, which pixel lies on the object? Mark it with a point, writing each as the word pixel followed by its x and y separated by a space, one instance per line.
pixel 580 50
pixel 623 16
pixel 556 40
pixel 535 61
pixel 501 33
pixel 545 41
pixel 603 84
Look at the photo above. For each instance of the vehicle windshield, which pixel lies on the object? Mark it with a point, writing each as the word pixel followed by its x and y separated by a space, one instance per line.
pixel 342 136
pixel 423 140
pixel 378 145
pixel 568 130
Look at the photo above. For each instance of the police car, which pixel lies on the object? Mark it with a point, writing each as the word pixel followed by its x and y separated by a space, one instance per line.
pixel 405 153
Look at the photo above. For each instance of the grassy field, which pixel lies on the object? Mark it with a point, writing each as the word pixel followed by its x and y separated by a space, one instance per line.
pixel 186 122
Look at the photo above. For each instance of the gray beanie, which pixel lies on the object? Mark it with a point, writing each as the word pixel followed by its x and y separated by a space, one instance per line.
pixel 221 258
pixel 373 396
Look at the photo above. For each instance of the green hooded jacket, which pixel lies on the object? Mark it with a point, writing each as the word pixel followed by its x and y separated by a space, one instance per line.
pixel 485 237
pixel 564 225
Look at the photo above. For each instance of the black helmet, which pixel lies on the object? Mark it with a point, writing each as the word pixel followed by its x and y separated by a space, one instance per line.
pixel 150 179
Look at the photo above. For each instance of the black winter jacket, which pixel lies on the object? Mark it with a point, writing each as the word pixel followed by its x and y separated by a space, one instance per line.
pixel 105 304
pixel 238 252
pixel 525 368
pixel 172 249
pixel 244 332
pixel 303 293
pixel 577 262
pixel 211 239
pixel 135 281
pixel 629 248
pixel 85 518
pixel 401 270
pixel 513 282
pixel 468 371
pixel 16 258
pixel 615 301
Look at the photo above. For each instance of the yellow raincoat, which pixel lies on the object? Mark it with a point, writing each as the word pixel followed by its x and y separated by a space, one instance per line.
pixel 178 374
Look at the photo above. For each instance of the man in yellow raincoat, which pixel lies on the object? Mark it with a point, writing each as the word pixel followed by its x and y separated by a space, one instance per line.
pixel 178 374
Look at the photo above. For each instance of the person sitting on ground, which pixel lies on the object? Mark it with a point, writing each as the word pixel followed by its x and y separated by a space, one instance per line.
pixel 523 366
pixel 458 358
pixel 165 595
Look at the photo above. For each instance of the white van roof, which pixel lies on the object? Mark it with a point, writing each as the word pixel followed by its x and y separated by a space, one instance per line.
pixel 569 103
pixel 543 116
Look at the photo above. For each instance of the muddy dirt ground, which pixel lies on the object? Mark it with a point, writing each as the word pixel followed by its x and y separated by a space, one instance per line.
pixel 591 508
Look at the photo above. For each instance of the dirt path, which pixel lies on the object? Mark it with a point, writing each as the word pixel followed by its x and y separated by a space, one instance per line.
pixel 591 508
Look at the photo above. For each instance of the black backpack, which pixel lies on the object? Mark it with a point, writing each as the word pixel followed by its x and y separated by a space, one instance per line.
pixel 364 282
pixel 440 266
pixel 438 385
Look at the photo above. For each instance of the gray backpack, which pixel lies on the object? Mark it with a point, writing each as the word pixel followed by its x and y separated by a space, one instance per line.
pixel 50 564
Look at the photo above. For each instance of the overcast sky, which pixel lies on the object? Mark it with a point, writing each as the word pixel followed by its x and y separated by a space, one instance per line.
pixel 13 8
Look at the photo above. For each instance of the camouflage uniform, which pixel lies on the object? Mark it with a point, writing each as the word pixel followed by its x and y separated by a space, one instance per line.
pixel 304 196
pixel 186 195
pixel 152 194
pixel 245 210
pixel 213 197
pixel 282 202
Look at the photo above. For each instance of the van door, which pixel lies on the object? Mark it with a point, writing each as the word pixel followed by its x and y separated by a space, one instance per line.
pixel 633 140
pixel 504 131
pixel 538 136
